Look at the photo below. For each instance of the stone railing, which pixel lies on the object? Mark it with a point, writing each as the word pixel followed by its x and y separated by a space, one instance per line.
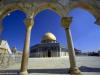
pixel 6 60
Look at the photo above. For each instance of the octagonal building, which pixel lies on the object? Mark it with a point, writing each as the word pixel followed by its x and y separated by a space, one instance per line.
pixel 49 47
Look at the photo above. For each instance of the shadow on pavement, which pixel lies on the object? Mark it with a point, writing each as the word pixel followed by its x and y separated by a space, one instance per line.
pixel 89 69
pixel 9 72
pixel 49 71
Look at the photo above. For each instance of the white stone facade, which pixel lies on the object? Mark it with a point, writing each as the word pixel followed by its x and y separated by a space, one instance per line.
pixel 4 47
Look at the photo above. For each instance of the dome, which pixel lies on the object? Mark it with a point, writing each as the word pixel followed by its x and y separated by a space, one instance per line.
pixel 49 37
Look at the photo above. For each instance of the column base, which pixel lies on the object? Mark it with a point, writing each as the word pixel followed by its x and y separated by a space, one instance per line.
pixel 23 73
pixel 75 71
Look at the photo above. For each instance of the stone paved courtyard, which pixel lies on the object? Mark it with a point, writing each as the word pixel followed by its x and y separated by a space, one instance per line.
pixel 56 66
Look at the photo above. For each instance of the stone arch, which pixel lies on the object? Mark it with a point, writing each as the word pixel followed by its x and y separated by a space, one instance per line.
pixel 54 7
pixel 63 11
pixel 90 8
pixel 10 8
pixel 7 9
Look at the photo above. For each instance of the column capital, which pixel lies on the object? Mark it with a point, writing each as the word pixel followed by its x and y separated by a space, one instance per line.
pixel 66 21
pixel 29 23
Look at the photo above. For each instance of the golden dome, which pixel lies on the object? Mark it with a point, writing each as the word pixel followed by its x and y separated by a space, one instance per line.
pixel 49 37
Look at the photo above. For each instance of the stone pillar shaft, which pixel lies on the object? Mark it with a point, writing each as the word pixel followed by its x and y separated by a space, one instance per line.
pixel 70 48
pixel 66 24
pixel 25 56
pixel 1 28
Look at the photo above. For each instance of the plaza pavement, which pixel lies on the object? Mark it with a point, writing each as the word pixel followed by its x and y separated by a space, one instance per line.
pixel 56 66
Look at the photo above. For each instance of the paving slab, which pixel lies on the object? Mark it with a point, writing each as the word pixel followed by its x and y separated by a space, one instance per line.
pixel 56 66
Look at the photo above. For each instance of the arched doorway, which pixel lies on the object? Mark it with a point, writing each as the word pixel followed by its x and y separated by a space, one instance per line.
pixel 49 53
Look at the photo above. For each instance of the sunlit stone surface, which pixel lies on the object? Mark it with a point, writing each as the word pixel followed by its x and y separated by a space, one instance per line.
pixel 62 7
pixel 57 66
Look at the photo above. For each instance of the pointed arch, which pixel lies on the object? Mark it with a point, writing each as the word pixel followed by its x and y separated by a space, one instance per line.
pixel 54 7
pixel 10 8
pixel 90 8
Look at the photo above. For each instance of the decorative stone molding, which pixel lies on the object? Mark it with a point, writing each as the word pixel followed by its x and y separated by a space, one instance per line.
pixel 66 21
pixel 62 7
pixel 29 23
pixel 54 7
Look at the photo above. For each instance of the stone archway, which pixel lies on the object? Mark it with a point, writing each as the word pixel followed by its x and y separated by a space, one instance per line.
pixel 63 10
pixel 62 7
pixel 90 8
pixel 10 8
pixel 56 8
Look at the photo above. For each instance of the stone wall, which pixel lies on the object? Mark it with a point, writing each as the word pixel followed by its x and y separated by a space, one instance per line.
pixel 7 60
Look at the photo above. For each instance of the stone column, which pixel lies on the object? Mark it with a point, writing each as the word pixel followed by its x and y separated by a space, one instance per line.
pixel 25 56
pixel 1 28
pixel 66 24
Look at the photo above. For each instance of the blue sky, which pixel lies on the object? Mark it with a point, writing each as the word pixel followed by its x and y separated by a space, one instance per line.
pixel 84 31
